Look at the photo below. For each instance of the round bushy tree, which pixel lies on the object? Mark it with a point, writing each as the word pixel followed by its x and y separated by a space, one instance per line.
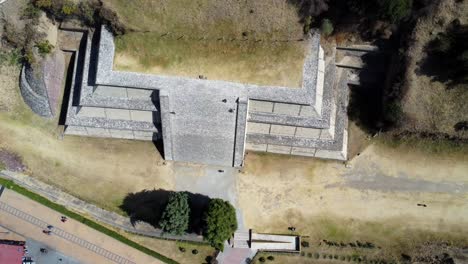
pixel 395 10
pixel 220 222
pixel 175 218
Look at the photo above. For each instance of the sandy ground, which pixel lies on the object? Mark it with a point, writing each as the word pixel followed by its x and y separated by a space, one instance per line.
pixel 74 250
pixel 325 200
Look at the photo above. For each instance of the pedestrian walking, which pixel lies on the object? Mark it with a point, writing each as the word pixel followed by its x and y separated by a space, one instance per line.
pixel 63 219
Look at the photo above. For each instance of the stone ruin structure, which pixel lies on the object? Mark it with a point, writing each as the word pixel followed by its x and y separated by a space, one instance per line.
pixel 209 121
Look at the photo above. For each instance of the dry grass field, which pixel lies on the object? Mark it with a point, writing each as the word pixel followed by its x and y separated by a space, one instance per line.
pixel 262 63
pixel 375 200
pixel 428 105
pixel 211 19
pixel 240 41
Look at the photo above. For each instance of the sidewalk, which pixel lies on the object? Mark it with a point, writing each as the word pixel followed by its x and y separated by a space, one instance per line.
pixel 77 240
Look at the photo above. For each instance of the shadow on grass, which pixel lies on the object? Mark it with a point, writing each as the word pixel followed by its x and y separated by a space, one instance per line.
pixel 148 206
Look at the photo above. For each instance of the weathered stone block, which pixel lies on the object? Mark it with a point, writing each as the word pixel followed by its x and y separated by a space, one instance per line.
pixel 144 135
pixel 310 152
pixel 305 132
pixel 256 147
pixel 287 109
pixel 279 149
pixel 76 130
pixel 258 128
pixel 122 114
pixel 282 130
pixel 91 112
pixel 260 106
pixel 145 116
pixel 117 133
pixel 110 91
pixel 307 110
pixel 139 93
pixel 98 132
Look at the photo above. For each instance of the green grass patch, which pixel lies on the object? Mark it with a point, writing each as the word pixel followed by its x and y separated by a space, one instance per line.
pixel 59 208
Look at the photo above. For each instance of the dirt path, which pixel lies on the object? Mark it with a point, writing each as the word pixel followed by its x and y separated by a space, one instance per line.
pixel 111 250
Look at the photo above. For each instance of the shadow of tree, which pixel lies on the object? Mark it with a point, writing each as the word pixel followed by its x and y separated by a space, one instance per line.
pixel 447 60
pixel 148 206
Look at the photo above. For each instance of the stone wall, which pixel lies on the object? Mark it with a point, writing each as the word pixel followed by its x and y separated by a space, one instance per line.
pixel 34 92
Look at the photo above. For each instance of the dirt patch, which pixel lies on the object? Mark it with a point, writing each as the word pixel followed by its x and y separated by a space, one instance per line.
pixel 11 161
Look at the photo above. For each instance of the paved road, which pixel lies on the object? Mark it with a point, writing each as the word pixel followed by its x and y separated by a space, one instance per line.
pixel 29 218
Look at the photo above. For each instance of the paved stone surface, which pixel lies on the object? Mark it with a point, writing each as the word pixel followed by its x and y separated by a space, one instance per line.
pixel 208 180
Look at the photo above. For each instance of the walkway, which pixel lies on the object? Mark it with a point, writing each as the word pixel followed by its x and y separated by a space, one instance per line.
pixel 29 218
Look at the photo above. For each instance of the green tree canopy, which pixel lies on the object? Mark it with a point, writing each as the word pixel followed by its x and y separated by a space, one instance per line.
pixel 394 10
pixel 220 222
pixel 175 218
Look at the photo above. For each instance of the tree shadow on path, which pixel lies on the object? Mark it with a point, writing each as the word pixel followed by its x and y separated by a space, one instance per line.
pixel 148 206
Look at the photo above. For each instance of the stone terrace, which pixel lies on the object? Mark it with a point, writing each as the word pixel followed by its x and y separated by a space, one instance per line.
pixel 208 121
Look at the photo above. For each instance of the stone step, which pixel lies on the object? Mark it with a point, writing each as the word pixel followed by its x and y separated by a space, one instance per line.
pixel 241 244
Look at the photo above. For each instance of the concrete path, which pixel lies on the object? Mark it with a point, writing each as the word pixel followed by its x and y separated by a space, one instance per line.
pixel 213 181
pixel 29 218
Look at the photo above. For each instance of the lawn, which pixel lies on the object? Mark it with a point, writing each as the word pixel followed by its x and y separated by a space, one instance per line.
pixel 262 63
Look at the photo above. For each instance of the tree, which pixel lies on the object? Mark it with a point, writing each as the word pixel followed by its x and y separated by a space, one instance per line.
pixel 327 27
pixel 220 222
pixel 175 218
pixel 394 10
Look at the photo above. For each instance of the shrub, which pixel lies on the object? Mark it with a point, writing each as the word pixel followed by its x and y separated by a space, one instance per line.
pixel 44 47
pixel 181 249
pixel 395 10
pixel 307 24
pixel 342 258
pixel 302 253
pixel 316 255
pixel 335 256
pixel 68 8
pixel 305 244
pixel 31 12
pixel 175 218
pixel 327 27
pixel 330 256
pixel 195 251
pixel 309 255
pixel 43 3
pixel 324 256
pixel 262 259
pixel 221 222
pixel 271 258
pixel 87 10
pixel 29 57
